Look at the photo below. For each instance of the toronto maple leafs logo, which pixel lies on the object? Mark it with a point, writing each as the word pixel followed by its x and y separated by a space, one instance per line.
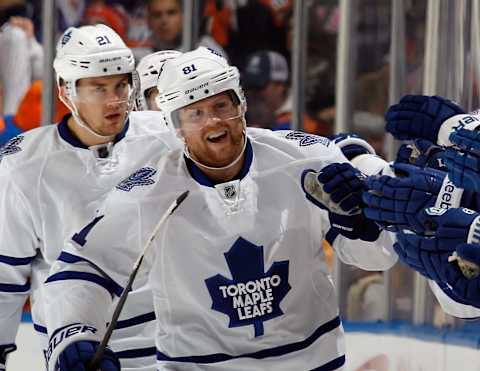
pixel 305 139
pixel 11 147
pixel 138 178
pixel 251 296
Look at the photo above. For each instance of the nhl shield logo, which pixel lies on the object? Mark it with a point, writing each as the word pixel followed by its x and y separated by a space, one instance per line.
pixel 230 191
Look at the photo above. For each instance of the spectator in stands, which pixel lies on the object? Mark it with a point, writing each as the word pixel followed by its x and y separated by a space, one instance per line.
pixel 21 59
pixel 98 11
pixel 252 18
pixel 165 21
pixel 266 80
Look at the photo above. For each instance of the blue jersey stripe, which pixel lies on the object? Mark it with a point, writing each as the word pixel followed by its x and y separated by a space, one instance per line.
pixel 332 365
pixel 10 260
pixel 265 353
pixel 40 329
pixel 147 317
pixel 107 284
pixel 135 353
pixel 10 287
pixel 72 259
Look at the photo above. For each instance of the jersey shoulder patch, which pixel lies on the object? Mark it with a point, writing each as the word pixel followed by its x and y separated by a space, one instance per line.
pixel 141 177
pixel 11 147
pixel 305 139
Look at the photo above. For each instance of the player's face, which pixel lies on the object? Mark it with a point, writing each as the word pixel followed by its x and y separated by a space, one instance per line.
pixel 102 102
pixel 165 19
pixel 213 130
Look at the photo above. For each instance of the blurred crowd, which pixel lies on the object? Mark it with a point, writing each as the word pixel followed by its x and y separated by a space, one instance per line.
pixel 256 36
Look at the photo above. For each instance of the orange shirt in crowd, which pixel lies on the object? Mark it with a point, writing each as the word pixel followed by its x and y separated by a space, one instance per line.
pixel 29 112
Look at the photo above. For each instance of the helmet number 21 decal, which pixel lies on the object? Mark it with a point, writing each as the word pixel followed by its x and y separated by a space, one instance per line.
pixel 103 40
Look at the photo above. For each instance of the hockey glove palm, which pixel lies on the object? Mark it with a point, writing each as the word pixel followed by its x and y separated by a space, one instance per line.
pixel 338 189
pixel 422 153
pixel 419 117
pixel 77 357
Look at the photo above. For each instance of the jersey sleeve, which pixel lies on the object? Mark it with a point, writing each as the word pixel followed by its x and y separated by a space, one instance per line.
pixel 18 248
pixel 88 276
pixel 371 256
pixel 77 303
pixel 452 306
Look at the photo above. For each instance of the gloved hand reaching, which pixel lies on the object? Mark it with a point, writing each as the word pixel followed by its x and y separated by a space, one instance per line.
pixel 338 189
pixel 420 117
pixel 449 254
pixel 394 203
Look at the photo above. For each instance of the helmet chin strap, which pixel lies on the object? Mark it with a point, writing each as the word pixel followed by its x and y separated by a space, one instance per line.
pixel 239 157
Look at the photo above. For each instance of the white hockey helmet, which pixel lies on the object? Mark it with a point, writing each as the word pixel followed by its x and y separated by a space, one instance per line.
pixel 194 76
pixel 91 51
pixel 148 70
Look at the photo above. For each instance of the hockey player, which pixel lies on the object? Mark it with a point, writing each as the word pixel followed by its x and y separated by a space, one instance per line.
pixel 53 178
pixel 148 70
pixel 238 274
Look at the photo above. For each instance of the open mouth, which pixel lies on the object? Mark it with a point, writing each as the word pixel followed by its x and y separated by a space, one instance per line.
pixel 217 136
pixel 113 116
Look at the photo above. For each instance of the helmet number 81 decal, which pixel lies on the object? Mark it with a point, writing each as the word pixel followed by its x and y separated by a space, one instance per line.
pixel 103 40
pixel 188 69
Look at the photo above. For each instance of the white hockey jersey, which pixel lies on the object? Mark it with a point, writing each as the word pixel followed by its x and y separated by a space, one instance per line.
pixel 238 273
pixel 50 185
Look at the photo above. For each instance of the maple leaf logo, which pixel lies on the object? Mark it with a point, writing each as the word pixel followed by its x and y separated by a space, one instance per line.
pixel 11 147
pixel 252 296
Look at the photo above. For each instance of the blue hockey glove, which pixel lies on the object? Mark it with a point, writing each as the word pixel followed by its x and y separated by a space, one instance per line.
pixel 352 145
pixel 445 230
pixel 462 274
pixel 464 164
pixel 4 350
pixel 77 357
pixel 419 117
pixel 422 153
pixel 394 203
pixel 338 189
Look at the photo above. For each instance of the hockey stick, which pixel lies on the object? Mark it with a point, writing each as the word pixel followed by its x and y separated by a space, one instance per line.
pixel 121 302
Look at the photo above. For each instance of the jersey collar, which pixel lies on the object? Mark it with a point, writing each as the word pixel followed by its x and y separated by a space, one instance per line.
pixel 201 178
pixel 68 136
